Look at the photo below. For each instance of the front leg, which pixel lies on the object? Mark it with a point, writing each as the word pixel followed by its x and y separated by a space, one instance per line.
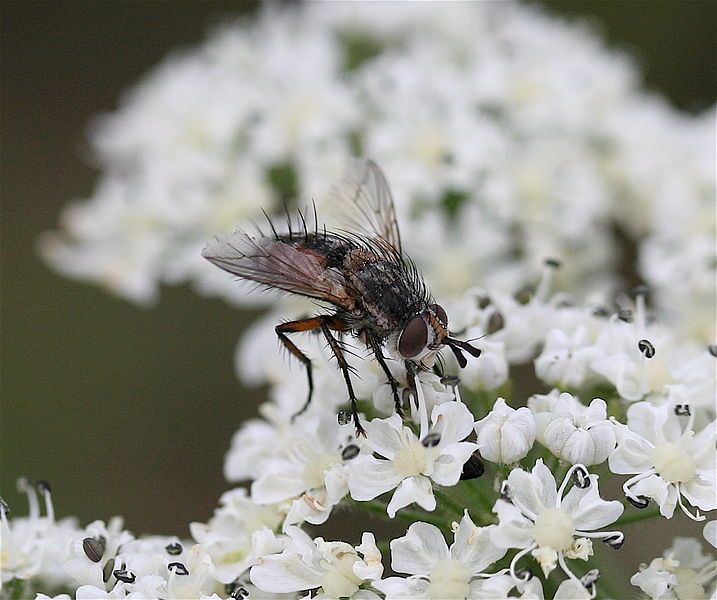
pixel 327 324
pixel 375 347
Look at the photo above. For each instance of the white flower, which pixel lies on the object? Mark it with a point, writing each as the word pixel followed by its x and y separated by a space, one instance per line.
pixel 539 519
pixel 410 464
pixel 435 570
pixel 682 572
pixel 308 469
pixel 337 569
pixel 710 532
pixel 576 433
pixel 667 461
pixel 505 435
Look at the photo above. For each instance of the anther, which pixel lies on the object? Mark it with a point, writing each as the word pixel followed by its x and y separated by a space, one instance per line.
pixel 377 456
pixel 615 541
pixel 174 549
pixel 4 508
pixel 505 493
pixel 23 485
pixel 351 451
pixel 431 440
pixel 712 349
pixel 483 302
pixel 94 548
pixel 639 290
pixel 125 576
pixel 638 501
pixel 600 311
pixel 552 262
pixel 450 380
pixel 496 322
pixel 473 468
pixel 683 410
pixel 43 486
pixel 646 347
pixel 581 478
pixel 590 578
pixel 178 568
pixel 524 574
pixel 239 594
pixel 343 417
pixel 625 314
pixel 107 570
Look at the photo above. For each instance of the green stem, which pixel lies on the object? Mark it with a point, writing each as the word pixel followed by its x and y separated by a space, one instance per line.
pixel 449 503
pixel 404 514
pixel 637 516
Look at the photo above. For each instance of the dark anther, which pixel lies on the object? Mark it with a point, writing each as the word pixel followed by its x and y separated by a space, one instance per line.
pixel 4 508
pixel 505 493
pixel 239 594
pixel 524 574
pixel 712 349
pixel 646 348
pixel 588 580
pixel 625 314
pixel 43 486
pixel 639 290
pixel 483 302
pixel 683 410
pixel 431 440
pixel 343 417
pixel 107 570
pixel 377 456
pixel 450 380
pixel 639 502
pixel 173 549
pixel 601 311
pixel 552 262
pixel 473 468
pixel 523 296
pixel 125 576
pixel 94 548
pixel 351 451
pixel 615 541
pixel 23 483
pixel 495 323
pixel 178 568
pixel 581 478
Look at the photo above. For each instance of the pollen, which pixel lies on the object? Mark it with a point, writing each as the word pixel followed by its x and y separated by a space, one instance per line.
pixel 411 460
pixel 554 528
pixel 450 579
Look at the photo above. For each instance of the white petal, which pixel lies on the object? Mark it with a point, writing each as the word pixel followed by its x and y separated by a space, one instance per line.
pixel 405 589
pixel 662 492
pixel 448 467
pixel 701 490
pixel 414 489
pixel 632 455
pixel 513 530
pixel 571 590
pixel 473 546
pixel 419 550
pixel 370 477
pixel 384 435
pixel 710 533
pixel 453 421
pixel 284 573
pixel 588 510
pixel 275 487
pixel 535 490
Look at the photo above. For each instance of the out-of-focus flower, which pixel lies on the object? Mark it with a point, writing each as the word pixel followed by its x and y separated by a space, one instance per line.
pixel 666 461
pixel 505 435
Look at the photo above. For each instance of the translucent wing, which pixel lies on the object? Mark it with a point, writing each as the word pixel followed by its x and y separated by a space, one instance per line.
pixel 285 265
pixel 367 203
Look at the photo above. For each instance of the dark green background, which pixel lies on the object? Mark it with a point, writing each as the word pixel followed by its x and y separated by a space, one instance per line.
pixel 130 411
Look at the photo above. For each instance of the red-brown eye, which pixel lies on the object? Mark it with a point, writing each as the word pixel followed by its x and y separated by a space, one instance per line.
pixel 437 310
pixel 414 338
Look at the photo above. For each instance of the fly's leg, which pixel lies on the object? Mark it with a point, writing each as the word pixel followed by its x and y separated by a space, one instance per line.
pixel 327 324
pixel 376 348
pixel 310 324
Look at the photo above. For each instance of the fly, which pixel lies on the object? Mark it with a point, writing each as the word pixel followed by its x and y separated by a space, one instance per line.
pixel 372 290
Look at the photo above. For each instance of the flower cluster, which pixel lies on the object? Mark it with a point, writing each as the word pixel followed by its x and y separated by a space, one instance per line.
pixel 507 134
pixel 491 119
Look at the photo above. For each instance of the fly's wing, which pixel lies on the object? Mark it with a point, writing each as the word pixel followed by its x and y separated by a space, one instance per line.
pixel 368 204
pixel 278 264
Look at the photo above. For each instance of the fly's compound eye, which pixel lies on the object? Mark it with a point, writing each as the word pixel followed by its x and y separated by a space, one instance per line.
pixel 440 313
pixel 414 337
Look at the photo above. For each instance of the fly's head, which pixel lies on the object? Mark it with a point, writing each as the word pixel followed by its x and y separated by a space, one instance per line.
pixel 425 334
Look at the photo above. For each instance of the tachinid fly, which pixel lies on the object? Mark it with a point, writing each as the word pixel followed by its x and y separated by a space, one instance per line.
pixel 373 291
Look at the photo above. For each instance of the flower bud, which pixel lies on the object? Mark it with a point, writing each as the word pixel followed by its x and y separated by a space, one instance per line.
pixel 505 435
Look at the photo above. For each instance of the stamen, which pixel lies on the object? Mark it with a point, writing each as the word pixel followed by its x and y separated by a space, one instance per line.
pixel 632 481
pixel 44 488
pixel 177 568
pixel 174 549
pixel 239 594
pixel 431 440
pixel 107 570
pixel 566 570
pixel 125 576
pixel 24 486
pixel 682 410
pixel 94 548
pixel 590 578
pixel 712 349
pixel 580 480
pixel 515 560
pixel 505 493
pixel 614 539
pixel 646 347
pixel 640 312
pixel 422 409
pixel 695 517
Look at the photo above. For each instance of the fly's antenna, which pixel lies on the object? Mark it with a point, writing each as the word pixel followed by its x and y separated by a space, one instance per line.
pixel 458 346
pixel 273 230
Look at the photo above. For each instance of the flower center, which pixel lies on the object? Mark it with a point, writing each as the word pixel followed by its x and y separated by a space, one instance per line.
pixel 450 580
pixel 555 529
pixel 688 588
pixel 340 581
pixel 316 468
pixel 411 460
pixel 673 463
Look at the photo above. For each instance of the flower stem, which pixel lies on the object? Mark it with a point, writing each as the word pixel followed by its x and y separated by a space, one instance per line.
pixel 636 516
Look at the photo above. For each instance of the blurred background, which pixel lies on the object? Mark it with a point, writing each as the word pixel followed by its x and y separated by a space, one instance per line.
pixel 130 411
